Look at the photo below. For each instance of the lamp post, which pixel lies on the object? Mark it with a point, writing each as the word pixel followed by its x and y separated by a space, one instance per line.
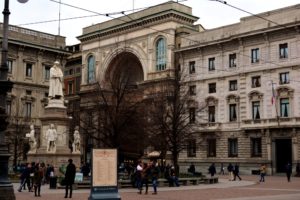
pixel 6 188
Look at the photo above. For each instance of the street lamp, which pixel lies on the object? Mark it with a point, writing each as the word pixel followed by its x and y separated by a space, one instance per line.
pixel 6 188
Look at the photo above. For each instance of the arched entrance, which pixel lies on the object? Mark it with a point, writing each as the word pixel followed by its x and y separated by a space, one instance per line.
pixel 122 77
pixel 126 68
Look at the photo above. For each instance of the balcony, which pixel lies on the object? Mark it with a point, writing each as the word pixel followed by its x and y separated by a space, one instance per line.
pixel 270 123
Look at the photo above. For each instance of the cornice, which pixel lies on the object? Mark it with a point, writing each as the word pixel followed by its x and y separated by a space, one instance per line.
pixel 135 24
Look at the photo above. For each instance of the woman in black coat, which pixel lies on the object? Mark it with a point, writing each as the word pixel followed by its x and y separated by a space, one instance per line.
pixel 69 177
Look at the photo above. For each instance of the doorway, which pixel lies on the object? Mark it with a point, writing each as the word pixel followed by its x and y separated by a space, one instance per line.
pixel 283 154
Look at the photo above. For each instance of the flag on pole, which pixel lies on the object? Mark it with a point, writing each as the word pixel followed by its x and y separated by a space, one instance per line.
pixel 273 99
pixel 273 95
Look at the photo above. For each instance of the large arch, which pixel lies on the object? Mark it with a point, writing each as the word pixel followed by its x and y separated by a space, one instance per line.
pixel 125 65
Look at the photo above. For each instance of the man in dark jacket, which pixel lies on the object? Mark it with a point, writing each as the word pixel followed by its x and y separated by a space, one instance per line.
pixel 69 177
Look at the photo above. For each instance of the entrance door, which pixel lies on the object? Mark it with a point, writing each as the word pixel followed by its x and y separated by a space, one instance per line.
pixel 283 154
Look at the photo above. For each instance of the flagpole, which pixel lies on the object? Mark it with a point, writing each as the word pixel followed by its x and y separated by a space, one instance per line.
pixel 274 97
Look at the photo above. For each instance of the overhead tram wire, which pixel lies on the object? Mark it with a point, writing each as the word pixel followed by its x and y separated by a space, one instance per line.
pixel 252 14
pixel 131 19
pixel 123 12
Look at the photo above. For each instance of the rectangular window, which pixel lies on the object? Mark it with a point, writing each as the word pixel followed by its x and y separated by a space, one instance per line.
pixel 71 71
pixel 233 85
pixel 8 108
pixel 211 113
pixel 232 112
pixel 192 67
pixel 255 110
pixel 191 148
pixel 28 109
pixel 192 90
pixel 255 55
pixel 211 147
pixel 284 78
pixel 192 114
pixel 283 50
pixel 232 147
pixel 232 60
pixel 284 107
pixel 256 147
pixel 47 72
pixel 28 92
pixel 255 81
pixel 28 70
pixel 211 64
pixel 212 88
pixel 10 66
pixel 70 87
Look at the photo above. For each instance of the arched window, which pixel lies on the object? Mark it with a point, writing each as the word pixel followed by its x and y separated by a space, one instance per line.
pixel 161 53
pixel 91 69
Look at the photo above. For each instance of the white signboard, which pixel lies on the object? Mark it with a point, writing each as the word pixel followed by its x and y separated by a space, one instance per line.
pixel 104 169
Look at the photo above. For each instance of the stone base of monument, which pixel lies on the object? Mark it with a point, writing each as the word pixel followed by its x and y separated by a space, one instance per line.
pixel 55 159
pixel 60 153
pixel 104 193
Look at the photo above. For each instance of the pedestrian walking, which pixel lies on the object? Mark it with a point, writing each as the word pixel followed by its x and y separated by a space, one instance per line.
pixel 288 169
pixel 173 177
pixel 37 180
pixel 23 178
pixel 230 171
pixel 262 171
pixel 154 175
pixel 69 178
pixel 222 169
pixel 138 176
pixel 236 172
pixel 212 169
pixel 145 177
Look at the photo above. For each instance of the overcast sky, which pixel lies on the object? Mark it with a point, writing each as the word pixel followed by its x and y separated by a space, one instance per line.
pixel 211 13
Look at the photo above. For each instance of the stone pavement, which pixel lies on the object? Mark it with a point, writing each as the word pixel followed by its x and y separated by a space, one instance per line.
pixel 275 188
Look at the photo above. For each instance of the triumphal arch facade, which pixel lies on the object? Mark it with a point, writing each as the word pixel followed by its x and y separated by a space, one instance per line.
pixel 140 44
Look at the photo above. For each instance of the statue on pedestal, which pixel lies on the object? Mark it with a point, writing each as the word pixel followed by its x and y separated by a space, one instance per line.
pixel 76 143
pixel 31 139
pixel 51 137
pixel 55 82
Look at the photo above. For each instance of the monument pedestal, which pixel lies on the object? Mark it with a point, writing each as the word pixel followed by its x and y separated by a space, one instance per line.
pixel 56 114
pixel 104 193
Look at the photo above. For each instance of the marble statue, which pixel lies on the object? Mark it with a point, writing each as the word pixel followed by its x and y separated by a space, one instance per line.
pixel 31 139
pixel 56 81
pixel 76 143
pixel 51 137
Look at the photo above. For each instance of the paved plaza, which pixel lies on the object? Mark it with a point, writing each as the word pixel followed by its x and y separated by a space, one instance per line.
pixel 275 188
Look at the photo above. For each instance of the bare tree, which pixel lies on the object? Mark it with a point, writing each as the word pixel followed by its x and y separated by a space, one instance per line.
pixel 173 117
pixel 113 117
pixel 18 125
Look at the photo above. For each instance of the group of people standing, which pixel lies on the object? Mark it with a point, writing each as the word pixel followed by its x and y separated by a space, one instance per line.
pixel 34 175
pixel 233 171
pixel 144 173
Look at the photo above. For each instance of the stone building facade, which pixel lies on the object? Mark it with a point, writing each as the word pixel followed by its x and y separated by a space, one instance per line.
pixel 72 81
pixel 141 44
pixel 247 75
pixel 31 54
